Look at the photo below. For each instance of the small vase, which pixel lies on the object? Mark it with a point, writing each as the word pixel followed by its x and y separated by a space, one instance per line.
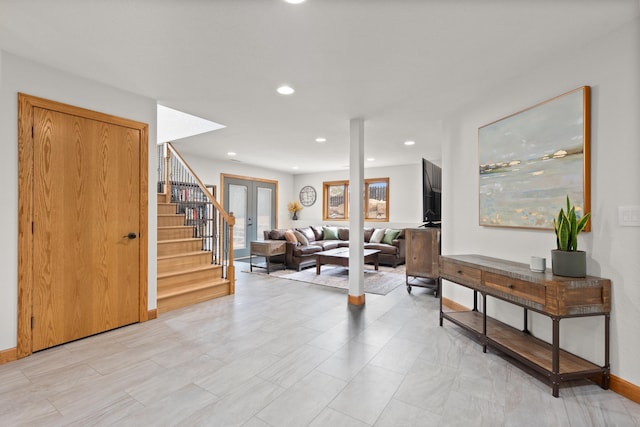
pixel 569 264
pixel 295 216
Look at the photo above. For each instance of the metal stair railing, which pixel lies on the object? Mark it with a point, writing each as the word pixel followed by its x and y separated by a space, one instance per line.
pixel 202 211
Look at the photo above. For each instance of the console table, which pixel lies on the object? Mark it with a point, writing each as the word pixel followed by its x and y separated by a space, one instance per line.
pixel 554 296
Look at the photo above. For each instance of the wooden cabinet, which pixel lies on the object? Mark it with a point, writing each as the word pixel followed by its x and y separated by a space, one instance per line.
pixel 553 296
pixel 423 250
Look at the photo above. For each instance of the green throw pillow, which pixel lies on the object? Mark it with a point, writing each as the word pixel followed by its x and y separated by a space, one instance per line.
pixel 330 233
pixel 390 235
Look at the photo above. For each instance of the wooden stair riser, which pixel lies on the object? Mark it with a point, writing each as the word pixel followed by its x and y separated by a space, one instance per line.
pixel 163 198
pixel 189 277
pixel 176 232
pixel 173 302
pixel 167 209
pixel 170 220
pixel 174 247
pixel 180 288
pixel 167 265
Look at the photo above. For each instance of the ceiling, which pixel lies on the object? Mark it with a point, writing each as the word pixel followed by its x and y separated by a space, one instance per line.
pixel 401 65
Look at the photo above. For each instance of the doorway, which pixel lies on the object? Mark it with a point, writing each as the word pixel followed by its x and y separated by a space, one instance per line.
pixel 253 203
pixel 82 231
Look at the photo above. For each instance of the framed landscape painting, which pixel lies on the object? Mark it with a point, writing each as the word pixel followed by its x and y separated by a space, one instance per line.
pixel 532 160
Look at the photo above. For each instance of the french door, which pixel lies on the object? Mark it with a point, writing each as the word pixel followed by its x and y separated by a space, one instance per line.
pixel 253 203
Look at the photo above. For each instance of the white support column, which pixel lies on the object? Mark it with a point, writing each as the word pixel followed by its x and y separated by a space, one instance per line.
pixel 356 212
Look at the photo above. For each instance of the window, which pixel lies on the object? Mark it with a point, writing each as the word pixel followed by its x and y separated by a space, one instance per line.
pixel 376 204
pixel 336 201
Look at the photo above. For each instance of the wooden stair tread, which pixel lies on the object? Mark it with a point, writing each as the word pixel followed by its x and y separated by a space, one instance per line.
pixel 173 227
pixel 185 254
pixel 192 288
pixel 170 215
pixel 188 239
pixel 211 267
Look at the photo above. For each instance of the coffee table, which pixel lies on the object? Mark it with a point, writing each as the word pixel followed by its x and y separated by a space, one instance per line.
pixel 340 256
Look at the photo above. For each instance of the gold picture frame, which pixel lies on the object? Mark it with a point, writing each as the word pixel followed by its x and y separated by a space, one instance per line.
pixel 530 161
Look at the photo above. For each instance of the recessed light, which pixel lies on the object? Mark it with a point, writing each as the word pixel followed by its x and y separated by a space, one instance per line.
pixel 294 167
pixel 231 153
pixel 321 139
pixel 295 1
pixel 409 143
pixel 370 159
pixel 285 90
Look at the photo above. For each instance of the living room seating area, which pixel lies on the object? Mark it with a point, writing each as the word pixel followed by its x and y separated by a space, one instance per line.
pixel 304 242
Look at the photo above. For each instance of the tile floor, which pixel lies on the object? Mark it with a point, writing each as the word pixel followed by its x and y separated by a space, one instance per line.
pixel 285 353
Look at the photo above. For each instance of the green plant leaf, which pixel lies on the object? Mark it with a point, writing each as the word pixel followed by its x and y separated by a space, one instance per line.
pixel 561 242
pixel 583 222
pixel 580 226
pixel 563 234
pixel 560 215
pixel 573 232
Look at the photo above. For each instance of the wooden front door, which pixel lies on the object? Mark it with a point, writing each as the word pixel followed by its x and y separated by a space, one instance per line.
pixel 86 260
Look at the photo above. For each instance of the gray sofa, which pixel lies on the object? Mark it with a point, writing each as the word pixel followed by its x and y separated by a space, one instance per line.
pixel 299 256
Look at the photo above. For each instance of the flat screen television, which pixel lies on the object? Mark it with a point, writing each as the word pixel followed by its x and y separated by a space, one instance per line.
pixel 431 194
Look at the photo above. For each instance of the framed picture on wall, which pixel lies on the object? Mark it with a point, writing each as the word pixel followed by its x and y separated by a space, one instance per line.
pixel 532 160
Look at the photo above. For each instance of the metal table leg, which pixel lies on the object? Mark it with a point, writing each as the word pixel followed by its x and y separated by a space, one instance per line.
pixel 555 373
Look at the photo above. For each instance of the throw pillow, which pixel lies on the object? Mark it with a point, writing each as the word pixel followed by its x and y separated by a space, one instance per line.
pixel 330 233
pixel 368 231
pixel 390 235
pixel 301 238
pixel 343 233
pixel 317 232
pixel 308 233
pixel 290 237
pixel 277 234
pixel 377 235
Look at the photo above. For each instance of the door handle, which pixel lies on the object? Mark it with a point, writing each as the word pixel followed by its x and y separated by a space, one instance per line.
pixel 130 236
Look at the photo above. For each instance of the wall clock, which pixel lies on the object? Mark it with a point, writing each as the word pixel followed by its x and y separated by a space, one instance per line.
pixel 307 195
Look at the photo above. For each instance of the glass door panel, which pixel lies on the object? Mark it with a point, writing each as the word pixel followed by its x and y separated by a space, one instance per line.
pixel 238 201
pixel 265 214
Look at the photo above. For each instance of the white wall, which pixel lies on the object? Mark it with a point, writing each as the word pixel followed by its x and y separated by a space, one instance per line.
pixel 405 195
pixel 405 184
pixel 611 66
pixel 20 75
pixel 209 171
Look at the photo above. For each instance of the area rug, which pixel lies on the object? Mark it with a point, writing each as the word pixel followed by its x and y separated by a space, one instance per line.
pixel 379 282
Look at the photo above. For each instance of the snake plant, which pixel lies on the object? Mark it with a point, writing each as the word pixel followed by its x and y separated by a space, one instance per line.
pixel 567 228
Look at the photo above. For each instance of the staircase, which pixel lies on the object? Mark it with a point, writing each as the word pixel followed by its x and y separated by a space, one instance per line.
pixel 187 274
